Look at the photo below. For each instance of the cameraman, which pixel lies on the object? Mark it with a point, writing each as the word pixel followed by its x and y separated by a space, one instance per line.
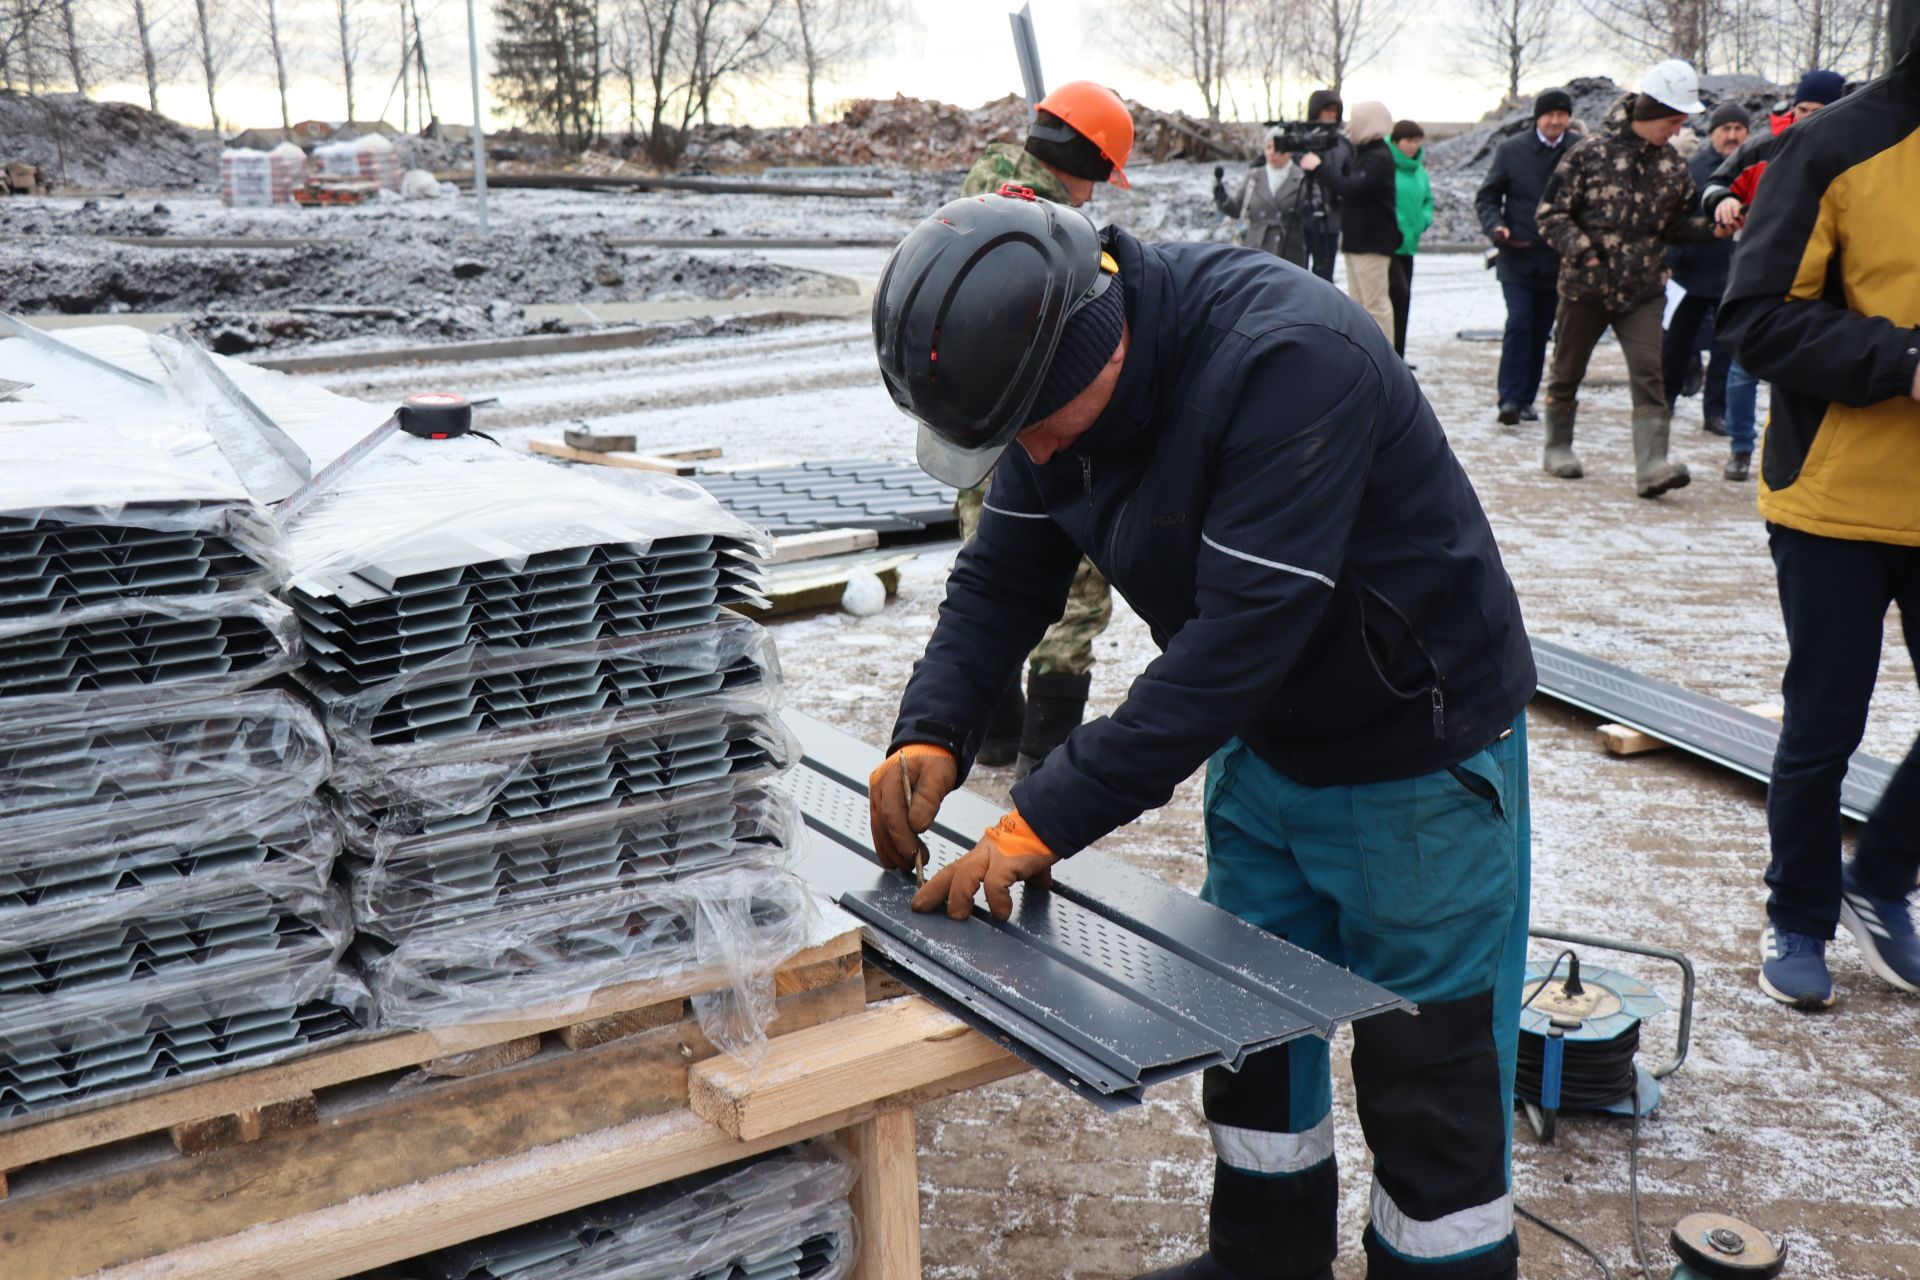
pixel 1321 201
pixel 1267 203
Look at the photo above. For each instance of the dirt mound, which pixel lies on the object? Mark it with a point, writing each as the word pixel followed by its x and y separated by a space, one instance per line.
pixel 104 145
pixel 414 271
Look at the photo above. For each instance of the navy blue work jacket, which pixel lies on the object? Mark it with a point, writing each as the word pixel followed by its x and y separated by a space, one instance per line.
pixel 1271 492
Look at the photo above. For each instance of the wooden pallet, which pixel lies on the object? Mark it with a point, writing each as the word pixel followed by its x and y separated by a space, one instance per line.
pixel 206 1158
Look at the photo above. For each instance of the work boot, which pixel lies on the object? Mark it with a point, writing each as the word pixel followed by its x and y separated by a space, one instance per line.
pixel 1002 743
pixel 1527 414
pixel 1560 459
pixel 1653 475
pixel 1509 414
pixel 1056 702
pixel 1738 467
pixel 1714 426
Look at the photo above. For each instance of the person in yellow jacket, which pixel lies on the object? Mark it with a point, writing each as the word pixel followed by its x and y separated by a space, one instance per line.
pixel 1837 333
pixel 1081 136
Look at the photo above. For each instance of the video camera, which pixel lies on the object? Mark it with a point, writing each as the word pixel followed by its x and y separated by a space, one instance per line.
pixel 1297 136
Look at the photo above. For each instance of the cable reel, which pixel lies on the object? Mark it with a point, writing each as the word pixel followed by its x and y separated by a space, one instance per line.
pixel 1580 1034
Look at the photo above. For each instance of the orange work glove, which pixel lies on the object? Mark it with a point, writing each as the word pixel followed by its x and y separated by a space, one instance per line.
pixel 903 795
pixel 1008 852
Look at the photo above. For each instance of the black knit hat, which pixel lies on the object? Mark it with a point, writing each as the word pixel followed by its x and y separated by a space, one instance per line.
pixel 1729 113
pixel 1086 344
pixel 1406 129
pixel 1552 100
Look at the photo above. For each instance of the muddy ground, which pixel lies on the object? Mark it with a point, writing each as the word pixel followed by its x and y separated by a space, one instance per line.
pixel 1807 1125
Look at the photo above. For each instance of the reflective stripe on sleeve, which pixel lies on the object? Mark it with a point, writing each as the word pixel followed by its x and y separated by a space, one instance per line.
pixel 1271 564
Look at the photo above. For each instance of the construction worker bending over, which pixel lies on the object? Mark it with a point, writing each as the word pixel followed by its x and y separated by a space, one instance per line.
pixel 1081 136
pixel 1236 446
pixel 1823 301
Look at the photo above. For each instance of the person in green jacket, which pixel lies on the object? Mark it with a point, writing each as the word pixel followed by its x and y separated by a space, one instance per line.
pixel 1413 202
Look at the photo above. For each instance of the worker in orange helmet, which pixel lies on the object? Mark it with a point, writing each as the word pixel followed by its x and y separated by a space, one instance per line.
pixel 1082 134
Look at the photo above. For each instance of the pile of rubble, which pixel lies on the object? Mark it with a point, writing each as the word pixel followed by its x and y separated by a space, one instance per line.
pixel 1459 164
pixel 104 145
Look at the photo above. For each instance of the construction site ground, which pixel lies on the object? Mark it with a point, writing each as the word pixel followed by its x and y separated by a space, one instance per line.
pixel 1807 1125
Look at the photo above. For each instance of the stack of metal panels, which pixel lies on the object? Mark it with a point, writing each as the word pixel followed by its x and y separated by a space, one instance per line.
pixel 551 732
pixel 783 1216
pixel 165 907
pixel 894 499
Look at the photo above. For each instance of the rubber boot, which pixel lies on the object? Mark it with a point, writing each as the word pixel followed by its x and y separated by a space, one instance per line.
pixel 1653 475
pixel 1002 743
pixel 1056 702
pixel 1560 459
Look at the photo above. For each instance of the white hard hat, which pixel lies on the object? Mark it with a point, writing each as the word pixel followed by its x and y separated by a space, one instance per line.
pixel 1675 84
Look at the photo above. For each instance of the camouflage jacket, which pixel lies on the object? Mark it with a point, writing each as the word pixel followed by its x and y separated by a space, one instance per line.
pixel 1009 162
pixel 1618 199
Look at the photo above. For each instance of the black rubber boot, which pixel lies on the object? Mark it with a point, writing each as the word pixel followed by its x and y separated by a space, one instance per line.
pixel 1002 743
pixel 1055 704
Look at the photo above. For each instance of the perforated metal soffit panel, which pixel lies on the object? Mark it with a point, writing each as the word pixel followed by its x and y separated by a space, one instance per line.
pixel 1726 736
pixel 895 499
pixel 1113 982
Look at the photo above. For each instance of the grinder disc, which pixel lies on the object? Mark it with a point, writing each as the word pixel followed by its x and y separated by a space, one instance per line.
pixel 1717 1246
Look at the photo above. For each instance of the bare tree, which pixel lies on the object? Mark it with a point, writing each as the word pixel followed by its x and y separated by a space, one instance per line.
pixel 1269 48
pixel 1192 42
pixel 351 25
pixel 1655 29
pixel 723 39
pixel 24 47
pixel 217 41
pixel 78 53
pixel 278 38
pixel 1504 43
pixel 1343 36
pixel 821 37
pixel 145 30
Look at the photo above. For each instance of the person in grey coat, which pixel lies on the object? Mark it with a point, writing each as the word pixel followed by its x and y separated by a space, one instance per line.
pixel 1268 205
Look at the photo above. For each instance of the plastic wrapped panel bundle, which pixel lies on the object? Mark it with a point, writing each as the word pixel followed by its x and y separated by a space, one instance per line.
pixel 87 779
pixel 784 1214
pixel 471 876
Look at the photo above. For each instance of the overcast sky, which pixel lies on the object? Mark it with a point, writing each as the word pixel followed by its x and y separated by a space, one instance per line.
pixel 955 50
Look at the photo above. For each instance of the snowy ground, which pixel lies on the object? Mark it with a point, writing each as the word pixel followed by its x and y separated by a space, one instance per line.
pixel 1808 1125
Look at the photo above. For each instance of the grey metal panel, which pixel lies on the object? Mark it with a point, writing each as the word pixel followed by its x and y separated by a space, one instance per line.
pixel 1726 736
pixel 1141 981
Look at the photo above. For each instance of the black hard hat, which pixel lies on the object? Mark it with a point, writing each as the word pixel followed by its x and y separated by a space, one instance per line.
pixel 968 314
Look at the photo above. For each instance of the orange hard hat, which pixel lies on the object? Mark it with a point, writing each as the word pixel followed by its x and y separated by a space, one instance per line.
pixel 1097 114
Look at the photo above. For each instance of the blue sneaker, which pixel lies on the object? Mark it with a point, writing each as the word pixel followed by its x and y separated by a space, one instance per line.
pixel 1793 969
pixel 1884 929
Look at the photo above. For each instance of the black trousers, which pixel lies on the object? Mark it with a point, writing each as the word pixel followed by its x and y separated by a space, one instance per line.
pixel 1678 350
pixel 1321 248
pixel 1400 293
pixel 1523 344
pixel 1834 594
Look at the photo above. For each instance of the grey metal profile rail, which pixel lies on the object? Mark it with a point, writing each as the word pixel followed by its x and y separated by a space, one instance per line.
pixel 1727 736
pixel 1109 984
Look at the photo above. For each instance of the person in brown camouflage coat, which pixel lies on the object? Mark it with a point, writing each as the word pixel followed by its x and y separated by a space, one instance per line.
pixel 1610 210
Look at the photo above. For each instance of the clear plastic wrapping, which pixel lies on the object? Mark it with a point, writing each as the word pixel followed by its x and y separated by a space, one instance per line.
pixel 87 781
pixel 55 891
pixel 239 949
pixel 486 690
pixel 742 920
pixel 144 650
pixel 783 1216
pixel 495 873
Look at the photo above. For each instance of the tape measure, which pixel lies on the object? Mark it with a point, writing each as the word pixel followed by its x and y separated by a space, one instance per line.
pixel 429 415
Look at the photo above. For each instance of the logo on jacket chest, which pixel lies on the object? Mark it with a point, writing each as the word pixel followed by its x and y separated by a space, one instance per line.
pixel 1170 520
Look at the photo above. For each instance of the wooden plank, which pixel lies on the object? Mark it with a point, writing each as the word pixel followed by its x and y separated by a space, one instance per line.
pixel 822 542
pixel 232 1094
pixel 386 1142
pixel 886 1199
pixel 381 1228
pixel 800 593
pixel 1621 740
pixel 815 1073
pixel 632 461
pixel 473 1062
pixel 597 442
pixel 585 1035
pixel 197 1137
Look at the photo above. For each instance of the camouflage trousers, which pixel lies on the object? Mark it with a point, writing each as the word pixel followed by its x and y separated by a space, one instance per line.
pixel 1067 648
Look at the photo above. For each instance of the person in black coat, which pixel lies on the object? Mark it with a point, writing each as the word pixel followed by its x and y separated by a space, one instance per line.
pixel 1364 178
pixel 1320 198
pixel 1529 269
pixel 1701 269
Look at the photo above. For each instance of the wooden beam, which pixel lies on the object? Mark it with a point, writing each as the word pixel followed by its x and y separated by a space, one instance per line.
pixel 823 542
pixel 374 1230
pixel 815 1073
pixel 1621 740
pixel 235 1093
pixel 631 461
pixel 379 1144
pixel 886 1199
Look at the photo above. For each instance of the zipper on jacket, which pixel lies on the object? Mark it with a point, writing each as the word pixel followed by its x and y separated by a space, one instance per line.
pixel 1439 714
pixel 1086 479
pixel 1434 697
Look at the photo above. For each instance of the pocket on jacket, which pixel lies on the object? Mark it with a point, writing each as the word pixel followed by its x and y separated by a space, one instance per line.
pixel 1437 849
